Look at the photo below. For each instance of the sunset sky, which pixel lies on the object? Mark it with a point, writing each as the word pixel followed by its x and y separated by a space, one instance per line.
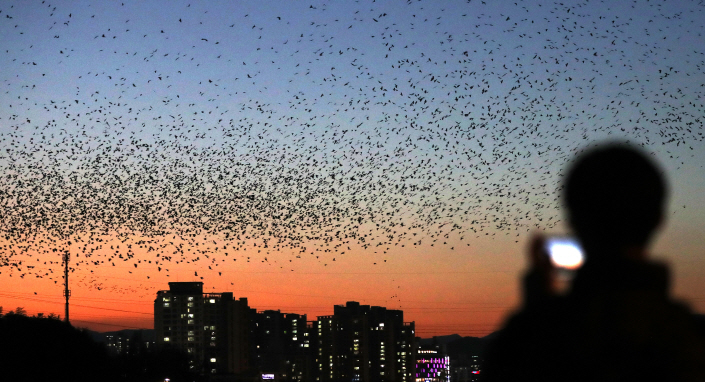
pixel 302 155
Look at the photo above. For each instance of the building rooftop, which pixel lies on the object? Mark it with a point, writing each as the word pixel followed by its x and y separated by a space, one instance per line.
pixel 187 287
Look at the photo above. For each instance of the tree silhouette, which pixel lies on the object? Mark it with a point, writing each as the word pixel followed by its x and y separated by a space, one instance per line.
pixel 39 349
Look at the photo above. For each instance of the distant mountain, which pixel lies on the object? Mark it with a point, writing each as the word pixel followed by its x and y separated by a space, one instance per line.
pixel 458 347
pixel 147 334
pixel 440 340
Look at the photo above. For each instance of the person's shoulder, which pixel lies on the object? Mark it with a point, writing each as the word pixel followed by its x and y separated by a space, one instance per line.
pixel 533 339
pixel 539 318
pixel 533 325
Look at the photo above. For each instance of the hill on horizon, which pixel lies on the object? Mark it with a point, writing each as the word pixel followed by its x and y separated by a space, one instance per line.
pixel 147 334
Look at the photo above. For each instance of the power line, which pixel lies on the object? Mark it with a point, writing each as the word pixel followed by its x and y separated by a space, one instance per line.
pixel 489 308
pixel 83 298
pixel 108 324
pixel 81 305
pixel 35 313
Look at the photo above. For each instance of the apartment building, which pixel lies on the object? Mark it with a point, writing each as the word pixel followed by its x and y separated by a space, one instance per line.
pixel 365 343
pixel 213 328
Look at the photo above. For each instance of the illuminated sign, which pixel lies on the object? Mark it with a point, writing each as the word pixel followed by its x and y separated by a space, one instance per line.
pixel 267 376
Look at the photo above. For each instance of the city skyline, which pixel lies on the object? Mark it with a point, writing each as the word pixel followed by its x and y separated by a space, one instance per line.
pixel 222 335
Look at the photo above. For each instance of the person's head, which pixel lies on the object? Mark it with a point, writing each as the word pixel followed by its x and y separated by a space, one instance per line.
pixel 615 197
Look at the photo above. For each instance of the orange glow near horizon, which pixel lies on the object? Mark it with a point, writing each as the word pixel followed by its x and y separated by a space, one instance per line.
pixel 469 291
pixel 442 293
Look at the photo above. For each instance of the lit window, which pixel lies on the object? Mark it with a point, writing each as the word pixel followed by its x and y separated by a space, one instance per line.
pixel 166 339
pixel 212 359
pixel 190 322
pixel 166 304
pixel 190 298
pixel 190 338
pixel 212 301
pixel 213 327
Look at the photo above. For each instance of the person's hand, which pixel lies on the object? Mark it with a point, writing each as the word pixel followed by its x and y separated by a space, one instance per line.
pixel 540 280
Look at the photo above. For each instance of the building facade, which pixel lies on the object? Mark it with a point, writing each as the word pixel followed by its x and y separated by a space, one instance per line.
pixel 213 328
pixel 468 369
pixel 432 365
pixel 282 346
pixel 365 343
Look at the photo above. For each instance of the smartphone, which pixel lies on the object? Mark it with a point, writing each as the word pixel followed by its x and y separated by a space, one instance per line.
pixel 565 253
pixel 567 257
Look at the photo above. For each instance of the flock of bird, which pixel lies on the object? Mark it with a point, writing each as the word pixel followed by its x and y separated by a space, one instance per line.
pixel 211 132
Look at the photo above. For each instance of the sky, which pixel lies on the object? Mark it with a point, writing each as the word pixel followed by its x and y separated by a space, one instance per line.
pixel 305 154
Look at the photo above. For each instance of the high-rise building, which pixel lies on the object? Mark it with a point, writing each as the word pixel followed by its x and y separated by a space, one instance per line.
pixel 431 365
pixel 364 343
pixel 282 346
pixel 213 328
pixel 224 337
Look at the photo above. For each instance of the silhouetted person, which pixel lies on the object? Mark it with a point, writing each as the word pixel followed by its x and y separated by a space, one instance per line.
pixel 617 323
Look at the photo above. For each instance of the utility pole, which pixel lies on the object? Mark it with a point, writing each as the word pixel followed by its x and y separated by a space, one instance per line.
pixel 67 292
